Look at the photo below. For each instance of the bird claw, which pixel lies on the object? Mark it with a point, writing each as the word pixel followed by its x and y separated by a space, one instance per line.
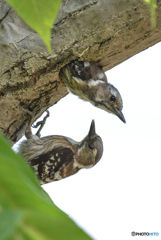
pixel 37 124
pixel 27 111
pixel 41 124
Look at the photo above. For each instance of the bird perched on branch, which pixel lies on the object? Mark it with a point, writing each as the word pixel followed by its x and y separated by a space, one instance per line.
pixel 89 82
pixel 56 157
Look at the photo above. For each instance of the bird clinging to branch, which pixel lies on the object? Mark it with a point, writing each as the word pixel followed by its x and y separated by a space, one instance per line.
pixel 89 82
pixel 55 157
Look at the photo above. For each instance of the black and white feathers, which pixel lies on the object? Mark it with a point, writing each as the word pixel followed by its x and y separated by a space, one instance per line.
pixel 56 157
pixel 89 82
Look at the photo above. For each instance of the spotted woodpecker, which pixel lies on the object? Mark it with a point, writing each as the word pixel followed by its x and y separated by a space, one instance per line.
pixel 56 157
pixel 89 82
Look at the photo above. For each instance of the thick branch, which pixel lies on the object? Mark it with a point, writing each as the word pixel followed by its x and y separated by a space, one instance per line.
pixel 103 31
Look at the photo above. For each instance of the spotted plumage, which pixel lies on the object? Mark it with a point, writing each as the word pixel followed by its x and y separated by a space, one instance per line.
pixel 89 82
pixel 55 157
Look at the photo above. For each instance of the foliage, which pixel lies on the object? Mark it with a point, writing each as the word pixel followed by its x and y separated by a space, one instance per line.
pixel 152 6
pixel 26 211
pixel 39 15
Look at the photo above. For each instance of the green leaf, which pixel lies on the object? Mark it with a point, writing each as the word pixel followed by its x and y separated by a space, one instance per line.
pixel 20 191
pixel 152 6
pixel 39 15
pixel 9 221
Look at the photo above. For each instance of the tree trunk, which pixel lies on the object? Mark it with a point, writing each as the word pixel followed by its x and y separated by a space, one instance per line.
pixel 103 31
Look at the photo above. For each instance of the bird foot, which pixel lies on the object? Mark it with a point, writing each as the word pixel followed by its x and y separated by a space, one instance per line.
pixel 41 124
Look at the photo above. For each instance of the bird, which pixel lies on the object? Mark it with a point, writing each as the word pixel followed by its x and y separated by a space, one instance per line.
pixel 89 82
pixel 56 157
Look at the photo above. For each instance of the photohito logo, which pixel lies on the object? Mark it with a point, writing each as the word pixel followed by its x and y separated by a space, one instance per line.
pixel 144 234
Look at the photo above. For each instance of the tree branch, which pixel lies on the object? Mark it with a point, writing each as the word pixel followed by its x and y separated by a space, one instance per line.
pixel 105 32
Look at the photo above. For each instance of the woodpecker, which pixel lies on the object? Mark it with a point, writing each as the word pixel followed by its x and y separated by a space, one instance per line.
pixel 56 157
pixel 89 82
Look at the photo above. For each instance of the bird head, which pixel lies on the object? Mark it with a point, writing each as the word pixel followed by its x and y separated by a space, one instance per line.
pixel 108 98
pixel 89 82
pixel 90 149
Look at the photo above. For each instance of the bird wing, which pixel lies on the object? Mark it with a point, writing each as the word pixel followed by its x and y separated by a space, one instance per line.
pixel 86 71
pixel 54 165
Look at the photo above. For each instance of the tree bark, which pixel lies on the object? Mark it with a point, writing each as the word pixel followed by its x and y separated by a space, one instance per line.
pixel 106 32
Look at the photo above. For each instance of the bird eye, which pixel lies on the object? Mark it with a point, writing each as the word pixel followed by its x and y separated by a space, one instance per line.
pixel 112 98
pixel 91 146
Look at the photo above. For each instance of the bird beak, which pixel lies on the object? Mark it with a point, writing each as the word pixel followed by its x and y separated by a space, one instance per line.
pixel 119 114
pixel 92 129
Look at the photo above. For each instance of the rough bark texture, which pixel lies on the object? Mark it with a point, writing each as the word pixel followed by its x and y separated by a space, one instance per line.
pixel 103 31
